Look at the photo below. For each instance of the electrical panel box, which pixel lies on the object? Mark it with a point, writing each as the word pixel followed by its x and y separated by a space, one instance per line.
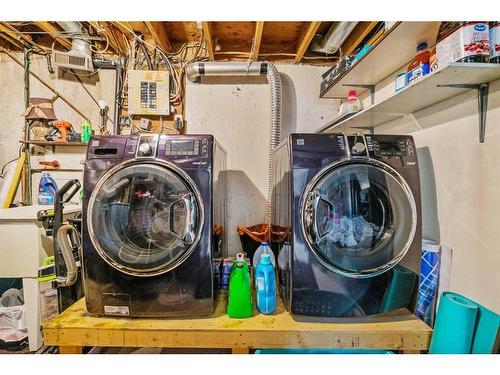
pixel 148 92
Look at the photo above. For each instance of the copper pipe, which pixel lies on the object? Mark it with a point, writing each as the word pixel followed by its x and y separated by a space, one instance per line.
pixel 46 84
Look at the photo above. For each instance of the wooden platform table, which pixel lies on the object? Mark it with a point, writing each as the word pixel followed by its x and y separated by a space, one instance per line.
pixel 74 328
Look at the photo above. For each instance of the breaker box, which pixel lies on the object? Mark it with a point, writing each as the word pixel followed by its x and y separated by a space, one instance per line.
pixel 148 92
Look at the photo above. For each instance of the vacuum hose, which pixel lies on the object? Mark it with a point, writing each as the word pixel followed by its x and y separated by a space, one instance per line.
pixel 63 241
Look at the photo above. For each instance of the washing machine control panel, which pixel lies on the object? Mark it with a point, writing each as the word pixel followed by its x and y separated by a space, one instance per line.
pixel 186 147
pixel 147 146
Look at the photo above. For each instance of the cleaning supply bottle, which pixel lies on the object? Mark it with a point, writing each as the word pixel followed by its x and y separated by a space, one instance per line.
pixel 239 304
pixel 47 189
pixel 263 249
pixel 86 132
pixel 419 66
pixel 265 285
pixel 351 105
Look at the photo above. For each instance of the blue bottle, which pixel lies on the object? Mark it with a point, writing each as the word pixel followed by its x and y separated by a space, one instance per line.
pixel 263 249
pixel 265 285
pixel 47 190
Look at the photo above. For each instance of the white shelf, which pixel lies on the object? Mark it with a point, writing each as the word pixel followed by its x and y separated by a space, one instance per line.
pixel 391 52
pixel 419 95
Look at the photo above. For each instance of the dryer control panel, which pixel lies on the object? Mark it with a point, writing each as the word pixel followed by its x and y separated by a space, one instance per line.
pixel 389 147
pixel 399 147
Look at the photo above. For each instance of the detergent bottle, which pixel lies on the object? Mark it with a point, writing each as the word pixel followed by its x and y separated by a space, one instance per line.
pixel 239 304
pixel 265 285
pixel 263 249
pixel 419 66
pixel 47 190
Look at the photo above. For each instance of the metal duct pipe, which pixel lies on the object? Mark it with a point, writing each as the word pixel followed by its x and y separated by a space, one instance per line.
pixel 274 79
pixel 195 71
pixel 334 38
pixel 77 35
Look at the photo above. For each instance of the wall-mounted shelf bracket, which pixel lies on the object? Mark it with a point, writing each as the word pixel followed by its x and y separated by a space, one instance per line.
pixel 371 129
pixel 482 99
pixel 371 88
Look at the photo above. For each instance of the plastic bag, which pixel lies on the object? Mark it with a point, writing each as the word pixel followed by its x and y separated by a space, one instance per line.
pixel 12 311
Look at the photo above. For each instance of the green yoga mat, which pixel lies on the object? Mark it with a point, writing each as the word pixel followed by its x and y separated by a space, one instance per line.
pixel 463 326
pixel 400 290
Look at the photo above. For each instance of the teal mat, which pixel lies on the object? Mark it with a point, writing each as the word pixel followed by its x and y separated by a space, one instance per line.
pixel 322 351
pixel 462 326
pixel 400 290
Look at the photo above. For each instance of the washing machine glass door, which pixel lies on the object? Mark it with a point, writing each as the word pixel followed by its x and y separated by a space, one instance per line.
pixel 145 218
pixel 359 218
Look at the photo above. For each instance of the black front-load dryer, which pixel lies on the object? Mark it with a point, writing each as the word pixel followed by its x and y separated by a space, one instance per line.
pixel 346 224
pixel 151 207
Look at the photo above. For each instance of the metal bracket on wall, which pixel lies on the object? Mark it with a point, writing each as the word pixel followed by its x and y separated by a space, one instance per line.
pixel 371 130
pixel 482 98
pixel 370 88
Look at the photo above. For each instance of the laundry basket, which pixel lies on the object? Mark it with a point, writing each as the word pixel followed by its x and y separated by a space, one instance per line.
pixel 251 237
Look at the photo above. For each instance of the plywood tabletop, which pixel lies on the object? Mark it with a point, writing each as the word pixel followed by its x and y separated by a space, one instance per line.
pixel 397 331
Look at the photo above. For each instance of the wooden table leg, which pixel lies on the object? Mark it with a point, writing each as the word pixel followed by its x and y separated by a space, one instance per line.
pixel 240 350
pixel 70 350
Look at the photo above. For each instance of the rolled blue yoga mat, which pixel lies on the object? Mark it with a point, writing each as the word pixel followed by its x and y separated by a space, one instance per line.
pixel 400 290
pixel 463 326
pixel 487 324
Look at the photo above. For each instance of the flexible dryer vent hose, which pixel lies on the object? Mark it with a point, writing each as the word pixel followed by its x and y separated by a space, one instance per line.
pixel 195 71
pixel 274 79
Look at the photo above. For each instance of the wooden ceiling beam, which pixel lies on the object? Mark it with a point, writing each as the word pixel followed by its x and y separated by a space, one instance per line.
pixel 207 31
pixel 257 38
pixel 11 37
pixel 159 34
pixel 115 42
pixel 53 31
pixel 359 33
pixel 305 39
pixel 124 27
pixel 10 40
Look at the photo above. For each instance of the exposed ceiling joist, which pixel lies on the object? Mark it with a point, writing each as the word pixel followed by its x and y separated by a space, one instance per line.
pixel 356 36
pixel 51 29
pixel 305 39
pixel 124 27
pixel 11 36
pixel 114 40
pixel 159 35
pixel 207 31
pixel 13 33
pixel 257 38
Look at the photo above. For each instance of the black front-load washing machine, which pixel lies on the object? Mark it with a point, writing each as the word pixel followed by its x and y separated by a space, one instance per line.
pixel 346 224
pixel 151 207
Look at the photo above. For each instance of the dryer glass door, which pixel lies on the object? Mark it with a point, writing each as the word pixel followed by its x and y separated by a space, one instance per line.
pixel 359 218
pixel 144 219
